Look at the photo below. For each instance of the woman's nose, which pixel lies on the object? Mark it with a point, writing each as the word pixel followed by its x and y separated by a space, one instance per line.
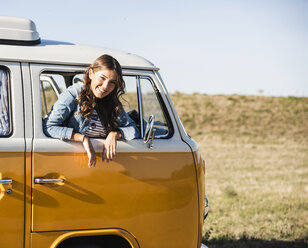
pixel 106 85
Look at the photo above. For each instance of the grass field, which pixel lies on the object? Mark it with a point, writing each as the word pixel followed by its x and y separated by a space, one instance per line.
pixel 256 151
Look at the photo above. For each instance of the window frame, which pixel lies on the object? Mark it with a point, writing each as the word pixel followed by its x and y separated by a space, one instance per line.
pixel 160 101
pixel 138 74
pixel 162 105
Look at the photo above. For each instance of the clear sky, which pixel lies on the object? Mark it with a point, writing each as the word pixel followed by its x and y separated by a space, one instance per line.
pixel 206 46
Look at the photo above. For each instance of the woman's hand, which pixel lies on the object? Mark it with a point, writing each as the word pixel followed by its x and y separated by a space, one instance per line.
pixel 86 142
pixel 90 151
pixel 110 145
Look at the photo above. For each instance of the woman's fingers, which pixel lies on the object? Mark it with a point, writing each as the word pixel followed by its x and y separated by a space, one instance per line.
pixel 92 160
pixel 113 150
pixel 109 152
pixel 105 154
pixel 109 156
pixel 109 148
pixel 90 151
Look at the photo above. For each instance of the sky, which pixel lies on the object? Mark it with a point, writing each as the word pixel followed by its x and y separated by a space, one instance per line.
pixel 246 47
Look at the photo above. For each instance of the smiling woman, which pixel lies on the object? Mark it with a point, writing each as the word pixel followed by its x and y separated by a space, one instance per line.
pixel 102 82
pixel 93 109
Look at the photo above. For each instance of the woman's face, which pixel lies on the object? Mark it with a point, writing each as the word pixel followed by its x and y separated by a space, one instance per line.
pixel 103 82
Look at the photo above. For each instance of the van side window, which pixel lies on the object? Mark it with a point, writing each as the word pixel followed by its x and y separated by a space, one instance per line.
pixel 142 95
pixel 151 106
pixel 5 125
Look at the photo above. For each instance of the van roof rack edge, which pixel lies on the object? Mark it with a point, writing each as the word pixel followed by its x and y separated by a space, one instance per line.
pixel 20 42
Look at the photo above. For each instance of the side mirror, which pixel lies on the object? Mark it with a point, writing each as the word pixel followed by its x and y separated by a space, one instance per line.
pixel 149 132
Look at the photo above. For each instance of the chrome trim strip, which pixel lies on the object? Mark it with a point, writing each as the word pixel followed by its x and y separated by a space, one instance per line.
pixel 44 98
pixel 140 106
pixel 48 180
pixel 6 181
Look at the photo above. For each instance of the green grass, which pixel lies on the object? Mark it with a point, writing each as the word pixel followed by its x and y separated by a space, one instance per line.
pixel 255 119
pixel 256 152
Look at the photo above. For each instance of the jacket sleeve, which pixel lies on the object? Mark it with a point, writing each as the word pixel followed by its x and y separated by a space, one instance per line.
pixel 62 109
pixel 127 127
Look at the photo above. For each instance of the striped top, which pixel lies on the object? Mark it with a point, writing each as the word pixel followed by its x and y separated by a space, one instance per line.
pixel 96 128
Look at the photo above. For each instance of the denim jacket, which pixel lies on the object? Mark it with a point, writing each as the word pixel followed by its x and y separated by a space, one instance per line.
pixel 62 120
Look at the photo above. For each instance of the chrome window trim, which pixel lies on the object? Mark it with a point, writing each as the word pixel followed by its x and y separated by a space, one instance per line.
pixel 140 106
pixel 156 91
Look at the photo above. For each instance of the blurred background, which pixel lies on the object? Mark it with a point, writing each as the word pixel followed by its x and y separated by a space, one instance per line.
pixel 237 71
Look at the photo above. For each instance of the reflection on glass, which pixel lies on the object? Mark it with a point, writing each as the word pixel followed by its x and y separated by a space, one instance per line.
pixel 151 106
pixel 4 104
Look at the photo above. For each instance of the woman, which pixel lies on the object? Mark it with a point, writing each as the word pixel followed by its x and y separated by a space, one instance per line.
pixel 93 109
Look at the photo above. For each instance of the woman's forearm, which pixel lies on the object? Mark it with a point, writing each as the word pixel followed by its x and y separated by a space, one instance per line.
pixel 86 142
pixel 117 134
pixel 78 137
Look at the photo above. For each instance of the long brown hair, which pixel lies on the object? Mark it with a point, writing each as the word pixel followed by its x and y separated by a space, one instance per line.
pixel 108 107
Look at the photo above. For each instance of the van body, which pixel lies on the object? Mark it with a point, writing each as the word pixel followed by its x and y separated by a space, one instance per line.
pixel 150 196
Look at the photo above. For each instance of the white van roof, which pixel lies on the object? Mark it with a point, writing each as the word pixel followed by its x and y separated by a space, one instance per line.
pixel 20 41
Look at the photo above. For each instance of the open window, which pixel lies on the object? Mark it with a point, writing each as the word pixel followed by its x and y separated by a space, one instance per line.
pixel 52 85
pixel 141 99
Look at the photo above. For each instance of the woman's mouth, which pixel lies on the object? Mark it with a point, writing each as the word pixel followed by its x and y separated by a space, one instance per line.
pixel 101 91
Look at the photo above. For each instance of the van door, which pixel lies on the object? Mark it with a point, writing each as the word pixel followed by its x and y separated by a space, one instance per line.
pixel 12 156
pixel 149 192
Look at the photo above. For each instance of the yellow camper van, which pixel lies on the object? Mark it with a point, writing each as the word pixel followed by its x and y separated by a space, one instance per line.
pixel 150 196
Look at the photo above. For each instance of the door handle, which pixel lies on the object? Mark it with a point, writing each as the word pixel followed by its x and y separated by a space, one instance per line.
pixel 48 180
pixel 6 181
